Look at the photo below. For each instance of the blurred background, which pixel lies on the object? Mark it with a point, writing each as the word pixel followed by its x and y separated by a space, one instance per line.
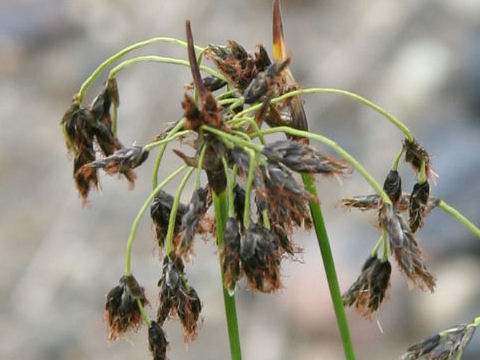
pixel 418 59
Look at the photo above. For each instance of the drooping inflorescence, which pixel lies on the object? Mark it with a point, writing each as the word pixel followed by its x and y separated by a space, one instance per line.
pixel 261 190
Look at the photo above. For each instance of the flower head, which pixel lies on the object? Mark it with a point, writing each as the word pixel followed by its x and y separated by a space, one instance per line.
pixel 121 309
pixel 368 291
pixel 157 341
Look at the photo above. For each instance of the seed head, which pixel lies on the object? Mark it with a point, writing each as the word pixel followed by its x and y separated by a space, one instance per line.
pixel 303 158
pixel 122 161
pixel 190 220
pixel 405 248
pixel 446 345
pixel 121 310
pixel 230 254
pixel 418 205
pixel 415 154
pixel 368 291
pixel 157 341
pixel 393 186
pixel 160 212
pixel 260 258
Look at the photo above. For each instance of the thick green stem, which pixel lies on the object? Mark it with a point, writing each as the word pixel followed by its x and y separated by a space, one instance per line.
pixel 220 205
pixel 460 217
pixel 133 231
pixel 349 94
pixel 118 55
pixel 329 266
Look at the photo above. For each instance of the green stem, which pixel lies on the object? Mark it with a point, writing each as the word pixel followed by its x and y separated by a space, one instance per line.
pixel 145 316
pixel 133 231
pixel 160 59
pixel 200 166
pixel 397 160
pixel 460 217
pixel 220 205
pixel 158 160
pixel 248 189
pixel 115 120
pixel 423 175
pixel 349 94
pixel 173 213
pixel 154 144
pixel 300 133
pixel 329 266
pixel 234 139
pixel 118 55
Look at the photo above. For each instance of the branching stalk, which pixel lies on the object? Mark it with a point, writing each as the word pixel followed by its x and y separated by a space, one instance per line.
pixel 133 231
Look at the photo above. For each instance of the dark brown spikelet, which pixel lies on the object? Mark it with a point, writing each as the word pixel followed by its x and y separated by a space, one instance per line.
pixel 260 257
pixel 408 254
pixel 192 113
pixel 262 60
pixel 234 62
pixel 157 341
pixel 195 211
pixel 418 205
pixel 213 165
pixel 415 154
pixel 122 161
pixel 121 310
pixel 446 345
pixel 242 159
pixel 103 129
pixel 393 186
pixel 213 83
pixel 231 254
pixel 265 81
pixel 285 198
pixel 362 202
pixel 368 291
pixel 239 203
pixel 170 284
pixel 188 311
pixel 160 213
pixel 303 158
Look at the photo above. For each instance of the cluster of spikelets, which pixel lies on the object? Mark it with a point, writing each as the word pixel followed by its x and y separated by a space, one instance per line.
pixel 368 291
pixel 266 202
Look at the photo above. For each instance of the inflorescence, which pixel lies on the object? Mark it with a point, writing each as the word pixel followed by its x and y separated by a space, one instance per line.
pixel 263 201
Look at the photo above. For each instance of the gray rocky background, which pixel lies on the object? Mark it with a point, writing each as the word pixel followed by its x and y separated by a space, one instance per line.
pixel 418 59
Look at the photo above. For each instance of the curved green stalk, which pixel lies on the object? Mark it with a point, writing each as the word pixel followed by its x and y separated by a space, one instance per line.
pixel 329 266
pixel 234 139
pixel 144 207
pixel 397 159
pixel 144 314
pixel 118 55
pixel 158 160
pixel 69 141
pixel 300 133
pixel 349 94
pixel 173 213
pixel 160 59
pixel 154 144
pixel 248 189
pixel 115 119
pixel 220 205
pixel 460 217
